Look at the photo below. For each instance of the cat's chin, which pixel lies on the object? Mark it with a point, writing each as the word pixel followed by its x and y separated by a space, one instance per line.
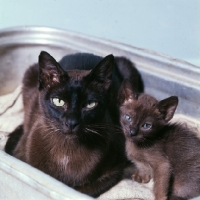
pixel 70 135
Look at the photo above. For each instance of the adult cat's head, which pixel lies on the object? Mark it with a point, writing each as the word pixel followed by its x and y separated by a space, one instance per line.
pixel 142 116
pixel 74 101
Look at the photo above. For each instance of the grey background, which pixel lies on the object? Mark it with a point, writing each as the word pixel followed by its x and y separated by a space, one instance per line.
pixel 170 27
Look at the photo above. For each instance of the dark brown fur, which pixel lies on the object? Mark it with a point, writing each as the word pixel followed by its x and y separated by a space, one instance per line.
pixel 169 153
pixel 79 146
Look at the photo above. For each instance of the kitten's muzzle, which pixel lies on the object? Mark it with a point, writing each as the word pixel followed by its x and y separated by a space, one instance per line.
pixel 132 132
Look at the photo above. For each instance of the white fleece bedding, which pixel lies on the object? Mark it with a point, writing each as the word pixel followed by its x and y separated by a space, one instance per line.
pixel 11 115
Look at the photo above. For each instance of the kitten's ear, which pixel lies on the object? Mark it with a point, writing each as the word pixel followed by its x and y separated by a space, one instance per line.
pixel 50 72
pixel 126 92
pixel 167 107
pixel 102 73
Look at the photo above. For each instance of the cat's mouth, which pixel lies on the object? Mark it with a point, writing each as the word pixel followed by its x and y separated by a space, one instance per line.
pixel 70 132
pixel 70 136
pixel 71 129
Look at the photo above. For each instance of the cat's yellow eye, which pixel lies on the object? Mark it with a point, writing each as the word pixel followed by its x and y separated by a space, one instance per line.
pixel 91 104
pixel 128 118
pixel 58 102
pixel 146 126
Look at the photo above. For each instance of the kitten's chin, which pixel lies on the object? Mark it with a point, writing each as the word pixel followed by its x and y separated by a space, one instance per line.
pixel 132 138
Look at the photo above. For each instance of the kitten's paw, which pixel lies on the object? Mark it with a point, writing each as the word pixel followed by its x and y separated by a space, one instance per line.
pixel 141 177
pixel 162 198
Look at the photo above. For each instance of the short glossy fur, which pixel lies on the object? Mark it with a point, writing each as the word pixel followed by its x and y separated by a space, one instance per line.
pixel 71 122
pixel 169 153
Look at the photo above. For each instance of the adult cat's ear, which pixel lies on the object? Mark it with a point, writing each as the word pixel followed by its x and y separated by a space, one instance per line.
pixel 126 92
pixel 167 107
pixel 102 73
pixel 50 72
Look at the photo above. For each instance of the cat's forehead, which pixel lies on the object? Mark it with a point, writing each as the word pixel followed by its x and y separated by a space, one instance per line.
pixel 78 74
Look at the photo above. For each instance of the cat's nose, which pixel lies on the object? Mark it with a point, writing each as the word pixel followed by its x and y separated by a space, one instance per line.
pixel 72 123
pixel 132 132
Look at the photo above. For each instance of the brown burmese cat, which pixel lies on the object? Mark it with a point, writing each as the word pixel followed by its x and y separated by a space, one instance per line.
pixel 71 122
pixel 169 153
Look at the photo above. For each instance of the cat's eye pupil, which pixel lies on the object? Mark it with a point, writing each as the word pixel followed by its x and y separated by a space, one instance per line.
pixel 91 104
pixel 128 118
pixel 146 126
pixel 58 102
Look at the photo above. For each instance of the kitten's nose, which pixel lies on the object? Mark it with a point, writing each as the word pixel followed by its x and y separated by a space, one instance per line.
pixel 133 132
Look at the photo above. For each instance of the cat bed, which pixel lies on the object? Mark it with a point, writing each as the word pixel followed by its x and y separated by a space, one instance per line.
pixel 32 181
pixel 20 47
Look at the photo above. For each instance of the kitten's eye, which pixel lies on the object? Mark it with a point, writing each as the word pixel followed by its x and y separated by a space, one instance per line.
pixel 91 104
pixel 58 102
pixel 128 118
pixel 146 126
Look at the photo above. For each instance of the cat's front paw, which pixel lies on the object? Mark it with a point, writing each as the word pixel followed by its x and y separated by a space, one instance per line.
pixel 141 177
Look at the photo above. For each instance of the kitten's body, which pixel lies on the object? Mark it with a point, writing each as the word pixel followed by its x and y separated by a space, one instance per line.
pixel 169 153
pixel 77 142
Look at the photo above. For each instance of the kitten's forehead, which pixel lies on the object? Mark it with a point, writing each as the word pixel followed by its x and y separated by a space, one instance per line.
pixel 144 104
pixel 147 100
pixel 143 101
pixel 78 74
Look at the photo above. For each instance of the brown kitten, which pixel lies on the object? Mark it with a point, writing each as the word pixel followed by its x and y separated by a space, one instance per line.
pixel 169 153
